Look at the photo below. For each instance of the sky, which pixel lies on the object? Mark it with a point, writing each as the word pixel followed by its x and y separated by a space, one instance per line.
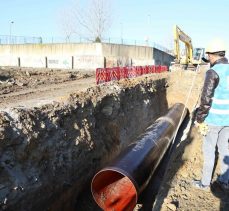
pixel 131 19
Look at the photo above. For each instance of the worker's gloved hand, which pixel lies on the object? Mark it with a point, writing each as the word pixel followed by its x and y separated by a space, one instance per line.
pixel 202 128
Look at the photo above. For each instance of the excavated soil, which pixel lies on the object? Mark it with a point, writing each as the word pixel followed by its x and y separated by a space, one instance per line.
pixel 57 128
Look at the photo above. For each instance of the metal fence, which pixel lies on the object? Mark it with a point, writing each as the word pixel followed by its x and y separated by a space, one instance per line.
pixel 7 39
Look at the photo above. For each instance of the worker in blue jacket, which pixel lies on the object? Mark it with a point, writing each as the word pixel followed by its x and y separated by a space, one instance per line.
pixel 212 117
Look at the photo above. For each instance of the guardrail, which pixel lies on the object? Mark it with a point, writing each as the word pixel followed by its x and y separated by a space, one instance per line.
pixel 116 73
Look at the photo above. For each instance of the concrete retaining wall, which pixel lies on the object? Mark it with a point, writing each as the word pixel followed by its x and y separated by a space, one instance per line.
pixel 80 56
pixel 88 62
pixel 162 58
pixel 6 60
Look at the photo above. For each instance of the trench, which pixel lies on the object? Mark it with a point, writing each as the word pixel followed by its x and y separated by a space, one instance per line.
pixel 148 196
pixel 49 154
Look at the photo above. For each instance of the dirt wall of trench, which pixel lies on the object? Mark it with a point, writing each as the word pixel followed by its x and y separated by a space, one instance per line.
pixel 48 154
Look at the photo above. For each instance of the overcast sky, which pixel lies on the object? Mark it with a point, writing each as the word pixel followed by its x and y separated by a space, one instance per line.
pixel 133 19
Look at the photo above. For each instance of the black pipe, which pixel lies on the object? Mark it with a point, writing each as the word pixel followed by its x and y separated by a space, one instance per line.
pixel 117 186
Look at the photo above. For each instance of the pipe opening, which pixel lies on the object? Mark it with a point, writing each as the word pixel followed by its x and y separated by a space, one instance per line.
pixel 113 191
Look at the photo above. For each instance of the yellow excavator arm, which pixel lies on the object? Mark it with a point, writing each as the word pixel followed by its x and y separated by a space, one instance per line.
pixel 179 35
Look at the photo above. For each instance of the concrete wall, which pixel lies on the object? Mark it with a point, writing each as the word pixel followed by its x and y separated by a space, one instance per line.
pixel 52 49
pixel 64 56
pixel 80 56
pixel 162 58
pixel 126 55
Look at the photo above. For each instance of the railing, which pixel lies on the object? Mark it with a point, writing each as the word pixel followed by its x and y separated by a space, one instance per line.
pixel 116 73
pixel 7 39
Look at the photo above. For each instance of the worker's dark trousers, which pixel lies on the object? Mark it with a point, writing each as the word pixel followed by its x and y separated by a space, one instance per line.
pixel 219 136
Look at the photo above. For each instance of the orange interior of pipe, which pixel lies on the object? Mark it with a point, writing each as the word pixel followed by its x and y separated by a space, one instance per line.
pixel 113 191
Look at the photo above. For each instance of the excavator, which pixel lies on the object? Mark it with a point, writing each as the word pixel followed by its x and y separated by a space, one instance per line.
pixel 191 58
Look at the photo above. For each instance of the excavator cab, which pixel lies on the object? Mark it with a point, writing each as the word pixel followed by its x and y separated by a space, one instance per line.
pixel 198 53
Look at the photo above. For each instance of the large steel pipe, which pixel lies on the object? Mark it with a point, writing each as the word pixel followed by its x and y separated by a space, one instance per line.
pixel 117 186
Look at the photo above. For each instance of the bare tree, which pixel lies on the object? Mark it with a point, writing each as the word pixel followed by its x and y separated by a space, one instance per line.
pixel 89 19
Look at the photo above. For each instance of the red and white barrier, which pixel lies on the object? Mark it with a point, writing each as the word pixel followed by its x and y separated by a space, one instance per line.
pixel 116 73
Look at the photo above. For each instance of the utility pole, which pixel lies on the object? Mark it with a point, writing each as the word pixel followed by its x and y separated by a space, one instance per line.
pixel 149 24
pixel 121 25
pixel 11 25
pixel 147 39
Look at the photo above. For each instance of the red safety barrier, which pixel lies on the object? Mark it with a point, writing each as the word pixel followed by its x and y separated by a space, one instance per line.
pixel 108 74
pixel 124 72
pixel 100 75
pixel 131 72
pixel 138 71
pixel 113 73
pixel 157 69
pixel 145 70
pixel 117 73
pixel 165 68
pixel 151 69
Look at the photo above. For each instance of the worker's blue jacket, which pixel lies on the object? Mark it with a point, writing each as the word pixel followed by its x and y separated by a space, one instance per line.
pixel 214 106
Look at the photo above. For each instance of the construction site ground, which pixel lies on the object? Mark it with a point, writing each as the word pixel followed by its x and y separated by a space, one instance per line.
pixel 29 87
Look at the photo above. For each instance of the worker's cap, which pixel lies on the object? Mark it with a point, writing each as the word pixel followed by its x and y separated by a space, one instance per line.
pixel 215 46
